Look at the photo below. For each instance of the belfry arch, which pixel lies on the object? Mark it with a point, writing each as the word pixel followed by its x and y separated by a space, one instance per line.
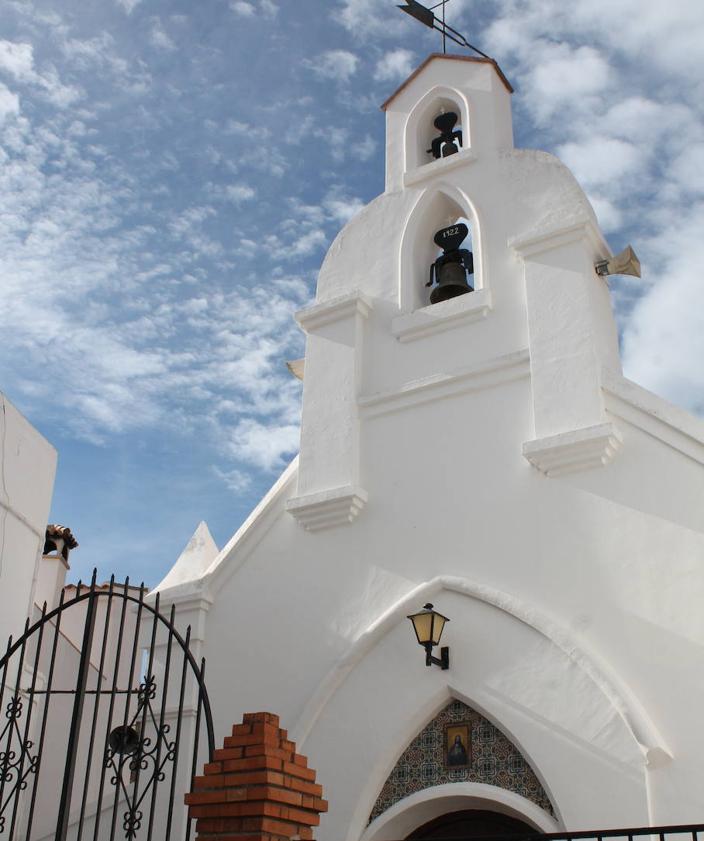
pixel 419 130
pixel 436 208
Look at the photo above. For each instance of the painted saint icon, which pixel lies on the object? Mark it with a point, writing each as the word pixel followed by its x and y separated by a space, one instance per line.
pixel 457 745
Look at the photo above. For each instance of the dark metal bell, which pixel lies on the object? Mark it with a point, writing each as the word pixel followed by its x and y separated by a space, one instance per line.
pixel 452 281
pixel 124 740
pixel 449 149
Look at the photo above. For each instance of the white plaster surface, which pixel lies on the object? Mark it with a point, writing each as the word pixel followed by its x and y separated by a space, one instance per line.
pixel 27 469
pixel 575 600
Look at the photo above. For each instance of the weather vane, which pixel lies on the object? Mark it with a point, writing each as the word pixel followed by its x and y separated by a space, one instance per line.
pixel 428 18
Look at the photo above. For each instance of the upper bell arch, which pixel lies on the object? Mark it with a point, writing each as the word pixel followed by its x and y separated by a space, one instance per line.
pixel 419 131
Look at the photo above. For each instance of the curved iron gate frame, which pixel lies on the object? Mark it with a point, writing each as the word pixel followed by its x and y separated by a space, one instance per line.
pixel 11 764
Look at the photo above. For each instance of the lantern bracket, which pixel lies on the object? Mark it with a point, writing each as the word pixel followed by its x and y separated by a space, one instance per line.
pixel 443 660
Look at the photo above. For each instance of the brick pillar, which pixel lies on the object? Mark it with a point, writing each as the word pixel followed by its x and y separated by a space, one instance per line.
pixel 257 788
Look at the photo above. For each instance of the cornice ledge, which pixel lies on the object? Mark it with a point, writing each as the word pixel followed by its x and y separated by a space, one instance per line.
pixel 474 306
pixel 343 306
pixel 327 509
pixel 439 167
pixel 538 242
pixel 486 374
pixel 576 450
pixel 639 407
pixel 190 595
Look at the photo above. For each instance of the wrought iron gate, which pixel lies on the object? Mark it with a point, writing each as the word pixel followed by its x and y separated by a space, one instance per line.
pixel 100 741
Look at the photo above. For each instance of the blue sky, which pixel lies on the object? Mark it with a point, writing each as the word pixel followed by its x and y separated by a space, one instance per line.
pixel 172 173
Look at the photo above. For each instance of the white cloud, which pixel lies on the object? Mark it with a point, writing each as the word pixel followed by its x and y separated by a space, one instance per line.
pixel 128 5
pixel 309 243
pixel 565 77
pixel 262 445
pixel 269 8
pixel 343 209
pixel 602 160
pixel 339 65
pixel 365 18
pixel 234 480
pixel 159 37
pixel 17 60
pixel 394 66
pixel 249 8
pixel 663 341
pixel 240 7
pixel 9 103
pixel 364 150
pixel 239 128
pixel 239 192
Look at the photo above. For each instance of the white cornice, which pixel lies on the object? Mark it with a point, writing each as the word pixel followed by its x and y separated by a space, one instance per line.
pixel 473 306
pixel 343 306
pixel 324 510
pixel 578 449
pixel 538 242
pixel 641 408
pixel 193 599
pixel 438 167
pixel 492 372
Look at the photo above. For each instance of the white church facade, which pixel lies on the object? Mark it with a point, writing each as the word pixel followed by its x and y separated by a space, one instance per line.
pixel 468 441
pixel 485 454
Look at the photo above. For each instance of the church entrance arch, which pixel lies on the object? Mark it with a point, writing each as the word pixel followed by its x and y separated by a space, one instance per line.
pixel 485 788
pixel 468 824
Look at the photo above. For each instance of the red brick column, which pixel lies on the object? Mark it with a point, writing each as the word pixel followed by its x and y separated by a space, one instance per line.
pixel 257 788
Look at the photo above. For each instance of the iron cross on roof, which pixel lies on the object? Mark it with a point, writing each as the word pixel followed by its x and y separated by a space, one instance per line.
pixel 428 18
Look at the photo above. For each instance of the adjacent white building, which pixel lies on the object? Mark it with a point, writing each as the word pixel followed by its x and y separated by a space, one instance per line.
pixel 27 470
pixel 486 454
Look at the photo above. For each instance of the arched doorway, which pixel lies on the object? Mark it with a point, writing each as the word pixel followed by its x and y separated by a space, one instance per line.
pixel 467 824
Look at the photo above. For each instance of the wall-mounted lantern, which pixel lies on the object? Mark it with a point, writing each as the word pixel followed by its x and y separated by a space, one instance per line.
pixel 428 625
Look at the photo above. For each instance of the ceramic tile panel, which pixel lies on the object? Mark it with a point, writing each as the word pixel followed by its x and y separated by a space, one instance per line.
pixel 491 758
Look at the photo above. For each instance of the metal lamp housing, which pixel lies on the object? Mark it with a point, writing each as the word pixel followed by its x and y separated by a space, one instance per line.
pixel 626 262
pixel 428 625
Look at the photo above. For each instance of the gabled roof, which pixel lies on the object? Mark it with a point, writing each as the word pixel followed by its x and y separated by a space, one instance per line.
pixel 432 57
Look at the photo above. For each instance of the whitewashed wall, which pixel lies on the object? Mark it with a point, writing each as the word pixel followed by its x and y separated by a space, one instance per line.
pixel 27 469
pixel 492 459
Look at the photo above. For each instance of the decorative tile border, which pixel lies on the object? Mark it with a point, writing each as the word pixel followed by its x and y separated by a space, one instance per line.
pixel 495 760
